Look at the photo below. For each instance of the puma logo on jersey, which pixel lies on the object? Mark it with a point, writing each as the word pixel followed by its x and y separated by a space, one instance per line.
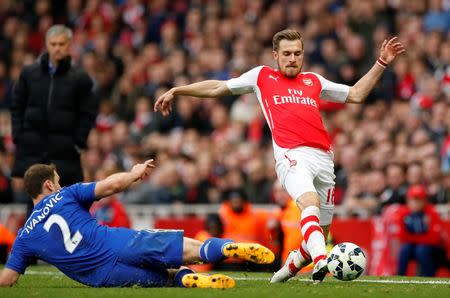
pixel 274 78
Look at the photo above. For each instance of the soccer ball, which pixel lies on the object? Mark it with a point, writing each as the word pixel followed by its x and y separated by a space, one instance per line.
pixel 346 261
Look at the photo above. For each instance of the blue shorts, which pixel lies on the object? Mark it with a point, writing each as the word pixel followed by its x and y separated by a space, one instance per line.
pixel 145 258
pixel 124 275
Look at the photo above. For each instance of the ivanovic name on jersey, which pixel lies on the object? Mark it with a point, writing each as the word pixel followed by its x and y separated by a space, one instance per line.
pixel 295 96
pixel 42 213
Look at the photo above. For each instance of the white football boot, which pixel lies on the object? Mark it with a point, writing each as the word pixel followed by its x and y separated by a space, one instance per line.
pixel 289 269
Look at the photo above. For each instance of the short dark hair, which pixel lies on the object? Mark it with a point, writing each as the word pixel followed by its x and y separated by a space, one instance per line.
pixel 288 34
pixel 35 177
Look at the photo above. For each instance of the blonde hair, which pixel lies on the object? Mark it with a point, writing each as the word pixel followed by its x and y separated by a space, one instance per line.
pixel 288 34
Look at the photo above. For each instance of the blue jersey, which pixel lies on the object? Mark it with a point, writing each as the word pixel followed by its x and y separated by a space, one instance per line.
pixel 61 232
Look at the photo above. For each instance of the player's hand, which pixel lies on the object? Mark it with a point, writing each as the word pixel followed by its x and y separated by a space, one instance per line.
pixel 164 103
pixel 142 170
pixel 391 49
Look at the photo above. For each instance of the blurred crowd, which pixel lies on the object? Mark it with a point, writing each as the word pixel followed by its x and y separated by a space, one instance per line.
pixel 136 50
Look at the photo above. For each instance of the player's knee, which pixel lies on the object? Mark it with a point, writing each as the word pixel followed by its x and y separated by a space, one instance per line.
pixel 190 244
pixel 191 249
pixel 308 199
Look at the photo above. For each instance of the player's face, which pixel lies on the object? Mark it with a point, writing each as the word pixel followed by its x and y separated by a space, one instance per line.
pixel 289 57
pixel 58 47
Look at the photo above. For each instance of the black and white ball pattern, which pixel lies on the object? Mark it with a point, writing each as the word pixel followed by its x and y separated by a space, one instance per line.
pixel 346 261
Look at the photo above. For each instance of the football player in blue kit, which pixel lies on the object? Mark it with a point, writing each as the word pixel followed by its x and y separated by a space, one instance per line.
pixel 61 232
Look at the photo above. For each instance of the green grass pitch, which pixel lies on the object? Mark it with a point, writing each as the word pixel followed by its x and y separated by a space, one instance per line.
pixel 45 281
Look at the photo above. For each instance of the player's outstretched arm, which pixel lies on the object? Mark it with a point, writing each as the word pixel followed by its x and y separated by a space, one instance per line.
pixel 389 51
pixel 8 277
pixel 209 88
pixel 120 181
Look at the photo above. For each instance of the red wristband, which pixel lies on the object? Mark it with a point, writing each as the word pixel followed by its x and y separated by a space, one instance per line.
pixel 382 63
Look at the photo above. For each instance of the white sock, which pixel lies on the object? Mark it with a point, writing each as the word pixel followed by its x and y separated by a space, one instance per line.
pixel 313 233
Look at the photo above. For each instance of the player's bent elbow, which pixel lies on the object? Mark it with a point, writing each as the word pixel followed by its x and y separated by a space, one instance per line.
pixel 8 277
pixel 7 281
pixel 220 90
pixel 356 100
pixel 5 284
pixel 354 96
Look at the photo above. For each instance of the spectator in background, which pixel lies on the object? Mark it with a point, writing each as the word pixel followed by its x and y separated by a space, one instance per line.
pixel 420 233
pixel 109 211
pixel 53 110
pixel 238 218
pixel 363 200
pixel 258 186
pixel 170 187
pixel 287 218
pixel 436 17
pixel 395 192
pixel 347 162
pixel 196 191
pixel 243 223
pixel 124 97
pixel 414 174
pixel 445 154
pixel 6 192
pixel 5 87
pixel 443 195
pixel 106 118
pixel 6 242
pixel 432 176
pixel 213 228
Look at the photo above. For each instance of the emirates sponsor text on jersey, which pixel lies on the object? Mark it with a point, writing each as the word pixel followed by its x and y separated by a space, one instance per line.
pixel 295 96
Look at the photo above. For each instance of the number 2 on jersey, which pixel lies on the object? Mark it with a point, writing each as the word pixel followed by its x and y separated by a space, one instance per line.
pixel 70 243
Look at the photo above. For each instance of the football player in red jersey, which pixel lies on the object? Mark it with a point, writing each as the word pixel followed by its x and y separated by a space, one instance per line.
pixel 304 161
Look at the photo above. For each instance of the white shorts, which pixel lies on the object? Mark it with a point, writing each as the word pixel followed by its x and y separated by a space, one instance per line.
pixel 306 169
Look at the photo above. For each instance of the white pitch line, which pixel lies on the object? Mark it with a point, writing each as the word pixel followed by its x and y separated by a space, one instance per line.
pixel 390 281
pixel 377 281
pixel 32 272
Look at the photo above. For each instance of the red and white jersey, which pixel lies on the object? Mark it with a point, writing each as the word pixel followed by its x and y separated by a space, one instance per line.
pixel 291 105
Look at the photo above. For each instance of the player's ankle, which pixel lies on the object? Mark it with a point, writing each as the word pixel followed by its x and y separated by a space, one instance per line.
pixel 319 258
pixel 211 251
pixel 178 279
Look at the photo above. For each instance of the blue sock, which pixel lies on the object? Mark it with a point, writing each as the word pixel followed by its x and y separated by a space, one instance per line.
pixel 211 249
pixel 179 276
